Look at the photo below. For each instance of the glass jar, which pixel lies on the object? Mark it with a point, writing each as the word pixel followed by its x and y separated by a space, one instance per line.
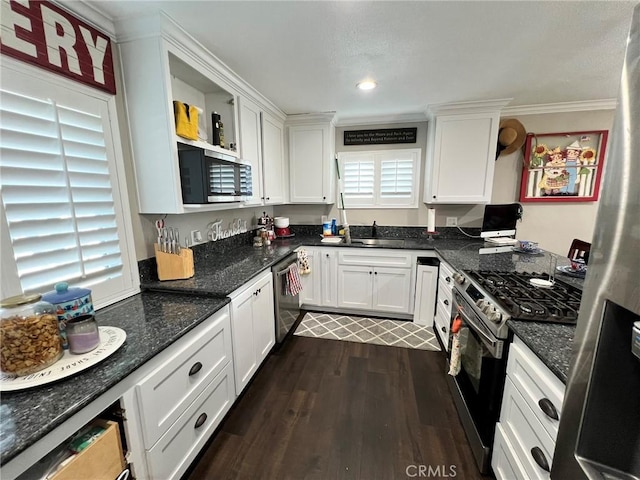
pixel 29 335
pixel 83 334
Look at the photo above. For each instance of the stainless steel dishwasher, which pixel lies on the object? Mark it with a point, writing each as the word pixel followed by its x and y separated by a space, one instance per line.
pixel 287 307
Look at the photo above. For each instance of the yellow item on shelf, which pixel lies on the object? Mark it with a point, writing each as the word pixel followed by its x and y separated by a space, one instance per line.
pixel 186 120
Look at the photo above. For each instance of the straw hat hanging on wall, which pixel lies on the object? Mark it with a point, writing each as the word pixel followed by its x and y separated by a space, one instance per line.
pixel 511 136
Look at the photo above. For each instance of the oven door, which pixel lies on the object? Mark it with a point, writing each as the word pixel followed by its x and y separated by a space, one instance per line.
pixel 480 382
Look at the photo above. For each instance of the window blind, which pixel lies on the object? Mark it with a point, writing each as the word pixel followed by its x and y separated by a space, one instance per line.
pixel 396 178
pixel 359 178
pixel 56 193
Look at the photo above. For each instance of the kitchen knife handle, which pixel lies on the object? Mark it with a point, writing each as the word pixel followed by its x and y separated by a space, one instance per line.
pixel 200 421
pixel 548 408
pixel 540 459
pixel 195 368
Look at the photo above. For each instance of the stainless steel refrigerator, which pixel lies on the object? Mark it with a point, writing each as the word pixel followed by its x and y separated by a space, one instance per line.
pixel 599 435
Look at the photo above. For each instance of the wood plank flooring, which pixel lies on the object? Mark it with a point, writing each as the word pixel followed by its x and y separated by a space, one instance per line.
pixel 327 409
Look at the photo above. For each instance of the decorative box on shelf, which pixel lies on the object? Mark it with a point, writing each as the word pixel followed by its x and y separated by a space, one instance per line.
pixel 174 266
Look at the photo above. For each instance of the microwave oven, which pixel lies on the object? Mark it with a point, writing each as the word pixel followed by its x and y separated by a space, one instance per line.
pixel 208 176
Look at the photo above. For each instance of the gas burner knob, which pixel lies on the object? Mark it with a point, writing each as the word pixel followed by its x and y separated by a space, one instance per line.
pixel 488 308
pixel 495 316
pixel 480 303
pixel 459 278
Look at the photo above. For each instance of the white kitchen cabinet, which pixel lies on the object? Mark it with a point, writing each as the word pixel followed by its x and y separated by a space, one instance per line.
pixel 355 287
pixel 426 294
pixel 329 277
pixel 273 160
pixel 462 140
pixel 311 293
pixel 252 327
pixel 529 416
pixel 311 159
pixel 391 289
pixel 442 320
pixel 162 63
pixel 251 145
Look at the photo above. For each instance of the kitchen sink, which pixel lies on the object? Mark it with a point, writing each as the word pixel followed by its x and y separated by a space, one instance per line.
pixel 379 242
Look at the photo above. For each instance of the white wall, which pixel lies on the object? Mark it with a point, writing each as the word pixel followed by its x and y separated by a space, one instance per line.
pixel 553 225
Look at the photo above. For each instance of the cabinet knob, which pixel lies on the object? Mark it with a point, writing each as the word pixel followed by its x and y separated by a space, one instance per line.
pixel 195 368
pixel 268 198
pixel 448 279
pixel 370 273
pixel 540 459
pixel 444 330
pixel 327 255
pixel 375 273
pixel 446 302
pixel 434 196
pixel 548 408
pixel 200 421
pixel 324 198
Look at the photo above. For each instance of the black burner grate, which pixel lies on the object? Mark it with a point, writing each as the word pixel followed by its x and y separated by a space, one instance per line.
pixel 523 301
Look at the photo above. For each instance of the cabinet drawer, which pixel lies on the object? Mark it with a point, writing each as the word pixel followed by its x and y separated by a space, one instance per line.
pixel 537 384
pixel 176 449
pixel 442 327
pixel 444 300
pixel 388 258
pixel 444 290
pixel 446 271
pixel 525 432
pixel 504 462
pixel 164 393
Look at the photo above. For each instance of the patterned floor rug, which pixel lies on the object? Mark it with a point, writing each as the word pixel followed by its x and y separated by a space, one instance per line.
pixel 367 330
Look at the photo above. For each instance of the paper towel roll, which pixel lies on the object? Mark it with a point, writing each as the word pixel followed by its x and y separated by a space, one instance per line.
pixel 431 220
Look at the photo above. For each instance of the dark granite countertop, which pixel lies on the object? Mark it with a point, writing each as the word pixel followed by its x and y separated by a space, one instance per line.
pixel 152 321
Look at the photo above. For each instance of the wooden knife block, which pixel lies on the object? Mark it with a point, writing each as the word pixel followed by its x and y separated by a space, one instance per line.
pixel 174 267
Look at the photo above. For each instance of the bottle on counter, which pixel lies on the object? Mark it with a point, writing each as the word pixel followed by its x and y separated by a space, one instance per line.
pixel 215 121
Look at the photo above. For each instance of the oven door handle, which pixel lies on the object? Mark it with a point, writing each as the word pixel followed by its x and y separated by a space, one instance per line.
pixel 494 346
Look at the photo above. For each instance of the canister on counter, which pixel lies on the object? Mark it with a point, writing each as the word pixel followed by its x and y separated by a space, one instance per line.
pixel 83 334
pixel 29 335
pixel 69 303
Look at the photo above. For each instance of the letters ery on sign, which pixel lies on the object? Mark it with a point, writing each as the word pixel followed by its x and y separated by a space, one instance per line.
pixel 43 34
pixel 380 136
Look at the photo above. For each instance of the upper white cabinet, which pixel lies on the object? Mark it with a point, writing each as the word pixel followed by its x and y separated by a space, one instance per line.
pixel 462 140
pixel 273 173
pixel 311 158
pixel 162 63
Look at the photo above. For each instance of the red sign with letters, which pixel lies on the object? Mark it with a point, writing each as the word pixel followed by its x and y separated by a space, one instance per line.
pixel 43 34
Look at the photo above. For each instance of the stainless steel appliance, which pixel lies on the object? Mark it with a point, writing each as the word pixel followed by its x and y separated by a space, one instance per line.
pixel 208 176
pixel 287 307
pixel 599 433
pixel 484 301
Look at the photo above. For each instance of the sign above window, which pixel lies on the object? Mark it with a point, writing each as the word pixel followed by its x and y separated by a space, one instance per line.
pixel 380 136
pixel 40 33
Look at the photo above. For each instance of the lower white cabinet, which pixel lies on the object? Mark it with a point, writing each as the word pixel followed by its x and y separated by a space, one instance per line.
pixel 381 289
pixel 442 320
pixel 180 401
pixel 311 282
pixel 252 327
pixel 178 447
pixel 426 294
pixel 320 286
pixel 529 417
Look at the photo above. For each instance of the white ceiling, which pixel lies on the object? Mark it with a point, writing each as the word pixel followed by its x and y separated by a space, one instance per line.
pixel 307 56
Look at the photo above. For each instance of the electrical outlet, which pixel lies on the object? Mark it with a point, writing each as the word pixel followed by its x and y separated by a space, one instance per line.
pixel 196 237
pixel 452 221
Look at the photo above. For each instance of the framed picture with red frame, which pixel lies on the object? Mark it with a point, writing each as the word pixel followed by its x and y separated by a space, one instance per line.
pixel 563 167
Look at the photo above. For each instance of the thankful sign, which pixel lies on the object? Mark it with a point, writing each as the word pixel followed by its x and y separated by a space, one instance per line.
pixel 43 34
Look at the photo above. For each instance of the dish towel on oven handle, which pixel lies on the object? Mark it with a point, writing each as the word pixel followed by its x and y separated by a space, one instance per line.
pixel 292 284
pixel 454 362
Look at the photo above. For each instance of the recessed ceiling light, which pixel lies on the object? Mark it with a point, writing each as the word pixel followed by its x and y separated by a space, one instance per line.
pixel 367 85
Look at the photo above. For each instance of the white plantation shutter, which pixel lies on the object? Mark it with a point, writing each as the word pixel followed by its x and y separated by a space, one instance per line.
pixel 381 178
pixel 56 186
pixel 222 179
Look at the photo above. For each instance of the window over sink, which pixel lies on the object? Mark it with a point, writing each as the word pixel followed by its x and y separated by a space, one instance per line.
pixel 380 179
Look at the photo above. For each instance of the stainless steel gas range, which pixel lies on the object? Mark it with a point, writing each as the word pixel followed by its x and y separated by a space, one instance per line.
pixel 484 301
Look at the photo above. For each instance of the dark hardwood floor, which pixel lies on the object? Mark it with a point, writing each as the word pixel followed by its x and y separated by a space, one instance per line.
pixel 327 409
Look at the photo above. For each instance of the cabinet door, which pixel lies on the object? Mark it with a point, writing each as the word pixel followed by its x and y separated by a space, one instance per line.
pixel 426 287
pixel 251 146
pixel 244 349
pixel 391 287
pixel 355 286
pixel 310 164
pixel 329 277
pixel 264 327
pixel 312 282
pixel 463 158
pixel 273 159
